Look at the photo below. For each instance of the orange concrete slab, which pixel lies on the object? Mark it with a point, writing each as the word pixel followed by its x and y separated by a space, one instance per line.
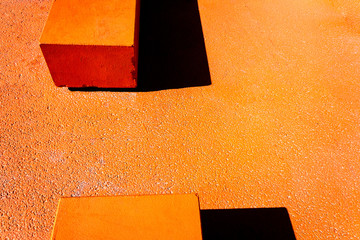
pixel 131 217
pixel 92 43
pixel 278 127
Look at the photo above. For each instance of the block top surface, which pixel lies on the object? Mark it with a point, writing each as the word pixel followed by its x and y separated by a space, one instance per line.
pixel 131 217
pixel 91 22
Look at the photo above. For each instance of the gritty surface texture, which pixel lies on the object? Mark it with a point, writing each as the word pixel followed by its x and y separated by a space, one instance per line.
pixel 278 127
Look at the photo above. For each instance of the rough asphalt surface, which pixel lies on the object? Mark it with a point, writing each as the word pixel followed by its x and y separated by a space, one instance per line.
pixel 278 127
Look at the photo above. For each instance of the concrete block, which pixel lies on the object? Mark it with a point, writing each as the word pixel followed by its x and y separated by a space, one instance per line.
pixel 160 217
pixel 91 43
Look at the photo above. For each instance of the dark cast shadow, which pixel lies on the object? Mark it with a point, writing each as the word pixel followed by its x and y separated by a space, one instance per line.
pixel 247 224
pixel 172 50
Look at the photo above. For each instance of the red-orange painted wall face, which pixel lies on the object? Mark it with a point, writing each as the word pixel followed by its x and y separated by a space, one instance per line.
pixel 90 66
pixel 279 126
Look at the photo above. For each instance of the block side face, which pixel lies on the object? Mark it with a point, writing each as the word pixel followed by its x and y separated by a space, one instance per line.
pixel 91 22
pixel 149 217
pixel 90 66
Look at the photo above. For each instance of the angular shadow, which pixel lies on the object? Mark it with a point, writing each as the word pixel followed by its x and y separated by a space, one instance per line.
pixel 247 224
pixel 172 50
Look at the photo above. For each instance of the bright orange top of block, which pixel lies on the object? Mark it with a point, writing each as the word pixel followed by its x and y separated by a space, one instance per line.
pixel 91 22
pixel 157 217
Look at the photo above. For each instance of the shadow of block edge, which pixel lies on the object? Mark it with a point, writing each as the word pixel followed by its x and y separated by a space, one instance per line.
pixel 249 224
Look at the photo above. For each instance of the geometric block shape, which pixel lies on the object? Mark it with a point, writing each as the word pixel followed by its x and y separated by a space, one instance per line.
pixel 92 43
pixel 128 217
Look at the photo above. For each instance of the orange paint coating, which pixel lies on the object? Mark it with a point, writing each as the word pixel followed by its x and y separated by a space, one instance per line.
pixel 92 43
pixel 90 66
pixel 90 22
pixel 278 127
pixel 132 217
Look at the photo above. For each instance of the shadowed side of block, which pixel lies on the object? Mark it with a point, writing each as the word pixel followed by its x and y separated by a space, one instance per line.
pixel 91 66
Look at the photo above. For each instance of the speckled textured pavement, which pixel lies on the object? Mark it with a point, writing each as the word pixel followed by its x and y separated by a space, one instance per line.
pixel 278 127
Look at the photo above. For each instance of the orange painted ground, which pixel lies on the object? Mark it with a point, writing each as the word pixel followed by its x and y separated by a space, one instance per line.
pixel 279 126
